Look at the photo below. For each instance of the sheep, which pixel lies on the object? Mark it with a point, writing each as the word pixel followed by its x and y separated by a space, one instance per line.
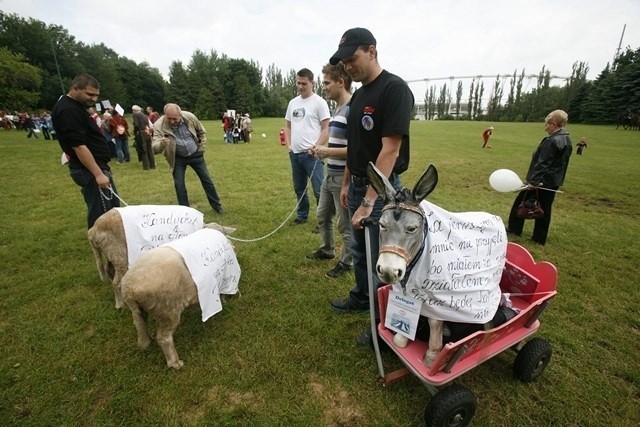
pixel 166 280
pixel 108 239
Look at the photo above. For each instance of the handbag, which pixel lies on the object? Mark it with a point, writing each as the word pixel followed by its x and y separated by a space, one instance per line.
pixel 530 208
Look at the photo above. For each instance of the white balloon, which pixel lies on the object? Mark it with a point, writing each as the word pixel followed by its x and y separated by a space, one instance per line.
pixel 505 180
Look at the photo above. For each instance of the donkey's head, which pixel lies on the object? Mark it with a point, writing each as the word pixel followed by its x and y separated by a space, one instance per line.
pixel 402 224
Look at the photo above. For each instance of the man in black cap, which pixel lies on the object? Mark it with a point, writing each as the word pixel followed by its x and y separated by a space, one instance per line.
pixel 378 132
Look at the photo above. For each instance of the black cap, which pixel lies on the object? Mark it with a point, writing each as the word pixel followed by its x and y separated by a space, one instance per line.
pixel 350 42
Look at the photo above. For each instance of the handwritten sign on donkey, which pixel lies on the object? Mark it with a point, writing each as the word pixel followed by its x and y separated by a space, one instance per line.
pixel 458 275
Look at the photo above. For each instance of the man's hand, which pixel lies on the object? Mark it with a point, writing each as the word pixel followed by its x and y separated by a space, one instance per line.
pixel 103 181
pixel 360 214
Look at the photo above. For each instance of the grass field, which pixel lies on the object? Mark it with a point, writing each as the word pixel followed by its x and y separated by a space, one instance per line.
pixel 277 354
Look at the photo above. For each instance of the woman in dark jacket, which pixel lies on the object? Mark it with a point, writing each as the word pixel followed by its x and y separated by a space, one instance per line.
pixel 547 171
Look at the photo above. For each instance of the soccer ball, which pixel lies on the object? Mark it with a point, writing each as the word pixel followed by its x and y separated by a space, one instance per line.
pixel 264 135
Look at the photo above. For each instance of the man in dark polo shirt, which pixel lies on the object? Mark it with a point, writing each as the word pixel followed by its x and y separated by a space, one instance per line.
pixel 85 146
pixel 378 132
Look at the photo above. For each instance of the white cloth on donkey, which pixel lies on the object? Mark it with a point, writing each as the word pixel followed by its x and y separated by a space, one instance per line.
pixel 149 226
pixel 458 275
pixel 213 265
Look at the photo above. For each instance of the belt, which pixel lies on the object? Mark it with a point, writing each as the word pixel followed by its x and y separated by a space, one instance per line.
pixel 359 180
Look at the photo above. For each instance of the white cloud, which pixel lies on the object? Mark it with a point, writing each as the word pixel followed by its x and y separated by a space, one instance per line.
pixel 416 39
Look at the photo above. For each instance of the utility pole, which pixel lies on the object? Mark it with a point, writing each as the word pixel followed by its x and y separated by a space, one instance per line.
pixel 55 58
pixel 619 46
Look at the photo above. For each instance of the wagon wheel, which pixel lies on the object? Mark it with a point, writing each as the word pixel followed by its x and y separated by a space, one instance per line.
pixel 532 359
pixel 453 406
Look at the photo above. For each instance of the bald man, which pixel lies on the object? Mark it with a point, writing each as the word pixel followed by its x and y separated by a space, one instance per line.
pixel 182 138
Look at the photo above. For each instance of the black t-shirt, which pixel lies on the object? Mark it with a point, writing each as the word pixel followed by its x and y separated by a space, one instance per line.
pixel 381 108
pixel 74 127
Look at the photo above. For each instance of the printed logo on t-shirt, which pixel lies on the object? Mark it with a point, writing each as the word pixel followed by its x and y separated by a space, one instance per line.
pixel 367 122
pixel 298 114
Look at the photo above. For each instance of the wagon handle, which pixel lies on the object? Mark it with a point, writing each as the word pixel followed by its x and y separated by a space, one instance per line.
pixel 369 222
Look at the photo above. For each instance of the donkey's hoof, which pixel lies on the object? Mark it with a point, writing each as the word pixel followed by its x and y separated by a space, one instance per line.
pixel 400 341
pixel 429 358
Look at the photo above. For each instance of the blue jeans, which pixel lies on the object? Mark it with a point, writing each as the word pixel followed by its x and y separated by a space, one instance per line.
pixel 304 166
pixel 122 149
pixel 359 295
pixel 197 163
pixel 97 202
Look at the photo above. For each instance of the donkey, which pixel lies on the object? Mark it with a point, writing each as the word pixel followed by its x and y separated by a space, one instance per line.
pixel 403 228
pixel 457 269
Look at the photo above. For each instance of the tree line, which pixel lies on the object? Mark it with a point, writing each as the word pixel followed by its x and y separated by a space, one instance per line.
pixel 38 62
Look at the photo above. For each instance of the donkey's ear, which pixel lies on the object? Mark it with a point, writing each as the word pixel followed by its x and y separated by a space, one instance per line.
pixel 379 182
pixel 425 184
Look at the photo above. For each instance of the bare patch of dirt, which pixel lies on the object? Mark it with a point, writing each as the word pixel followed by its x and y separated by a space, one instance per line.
pixel 340 408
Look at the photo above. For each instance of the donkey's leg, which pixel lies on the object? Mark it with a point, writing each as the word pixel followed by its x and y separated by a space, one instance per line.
pixel 435 341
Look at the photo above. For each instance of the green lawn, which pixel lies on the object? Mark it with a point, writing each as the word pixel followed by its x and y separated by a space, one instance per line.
pixel 277 354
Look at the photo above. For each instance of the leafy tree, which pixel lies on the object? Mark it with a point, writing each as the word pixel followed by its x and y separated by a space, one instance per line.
pixel 219 104
pixel 178 90
pixel 458 98
pixel 204 105
pixel 470 104
pixel 19 82
pixel 494 108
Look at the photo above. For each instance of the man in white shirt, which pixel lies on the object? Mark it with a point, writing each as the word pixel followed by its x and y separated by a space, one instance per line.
pixel 307 126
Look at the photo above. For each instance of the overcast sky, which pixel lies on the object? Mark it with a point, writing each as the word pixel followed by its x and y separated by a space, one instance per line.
pixel 416 39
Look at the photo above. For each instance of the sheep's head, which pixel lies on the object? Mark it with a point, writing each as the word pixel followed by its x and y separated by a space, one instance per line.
pixel 221 228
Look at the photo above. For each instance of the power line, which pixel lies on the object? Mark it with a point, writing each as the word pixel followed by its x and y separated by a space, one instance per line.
pixel 480 76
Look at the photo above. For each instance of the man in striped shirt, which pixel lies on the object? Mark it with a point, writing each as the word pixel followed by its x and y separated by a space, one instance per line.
pixel 337 84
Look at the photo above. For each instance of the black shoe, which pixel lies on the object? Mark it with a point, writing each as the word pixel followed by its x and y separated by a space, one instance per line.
pixel 316 230
pixel 339 270
pixel 319 255
pixel 345 306
pixel 219 209
pixel 299 221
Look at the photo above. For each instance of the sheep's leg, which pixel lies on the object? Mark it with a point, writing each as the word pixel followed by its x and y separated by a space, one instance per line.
pixel 435 341
pixel 117 289
pixel 164 336
pixel 100 261
pixel 141 326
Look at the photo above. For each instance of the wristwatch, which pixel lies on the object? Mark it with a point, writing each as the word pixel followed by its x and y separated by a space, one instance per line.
pixel 367 204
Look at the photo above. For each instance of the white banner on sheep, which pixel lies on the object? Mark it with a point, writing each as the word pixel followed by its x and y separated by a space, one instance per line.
pixel 213 265
pixel 458 275
pixel 149 226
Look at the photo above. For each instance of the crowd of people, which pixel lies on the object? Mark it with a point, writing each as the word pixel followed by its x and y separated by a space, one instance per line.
pixel 33 124
pixel 237 127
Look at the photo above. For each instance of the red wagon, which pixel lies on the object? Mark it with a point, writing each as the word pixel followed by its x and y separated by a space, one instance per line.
pixel 531 286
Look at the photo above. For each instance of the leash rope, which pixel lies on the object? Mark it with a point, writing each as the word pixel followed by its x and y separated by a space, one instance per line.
pixel 110 197
pixel 271 233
